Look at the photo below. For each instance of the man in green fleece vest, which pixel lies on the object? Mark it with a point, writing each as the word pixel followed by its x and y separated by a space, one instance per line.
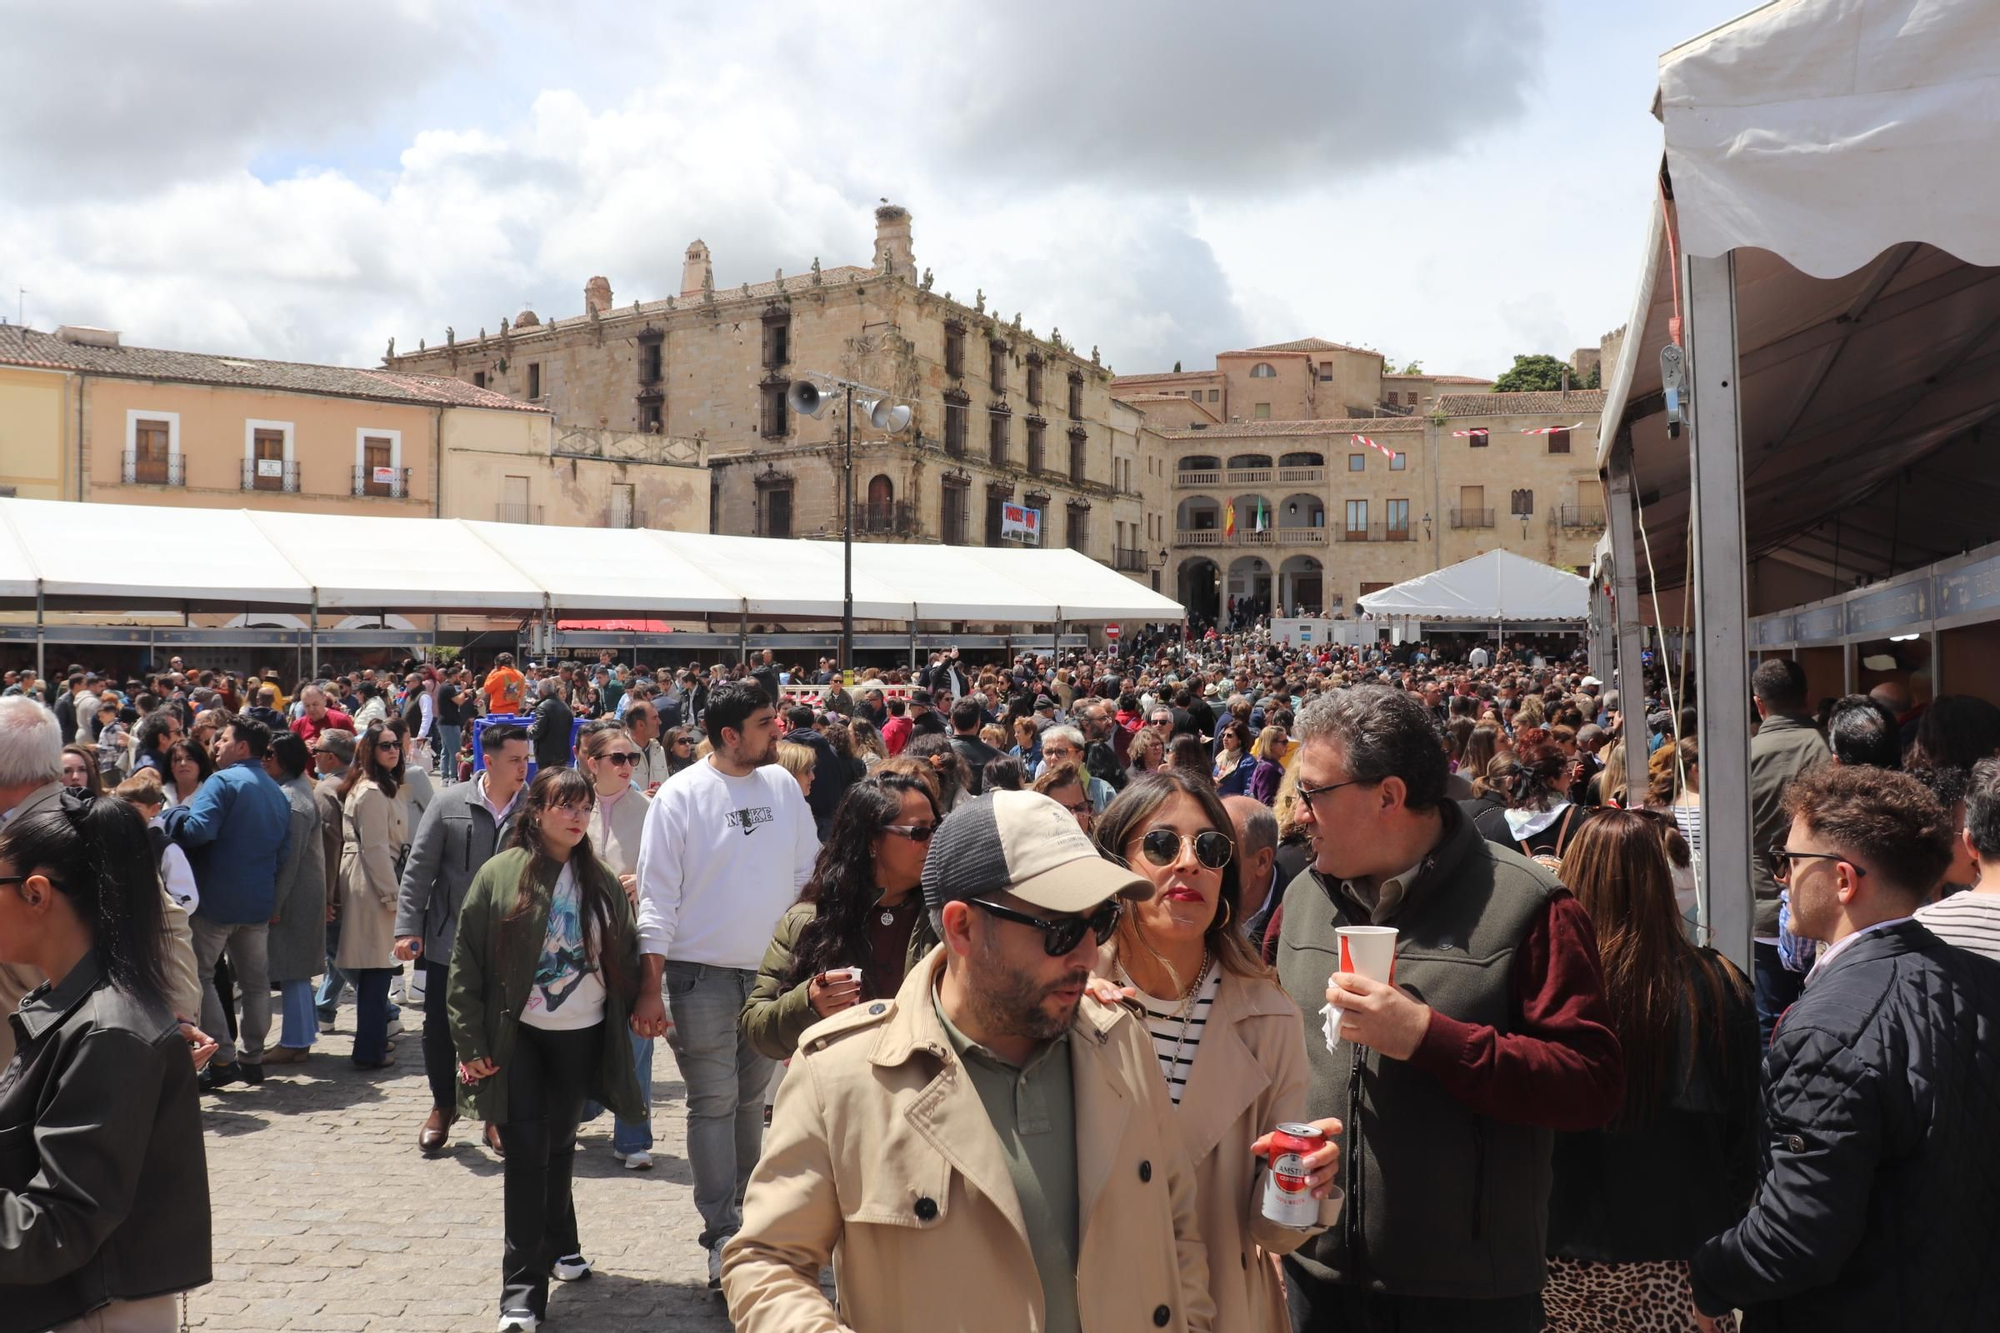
pixel 1451 1078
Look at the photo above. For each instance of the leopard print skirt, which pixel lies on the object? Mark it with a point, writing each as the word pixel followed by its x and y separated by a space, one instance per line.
pixel 1584 1296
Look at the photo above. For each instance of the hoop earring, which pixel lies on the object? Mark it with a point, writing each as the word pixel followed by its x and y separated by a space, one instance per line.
pixel 1228 913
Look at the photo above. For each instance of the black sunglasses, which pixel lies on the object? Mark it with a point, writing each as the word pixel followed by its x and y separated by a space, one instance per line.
pixel 622 757
pixel 1162 846
pixel 1782 858
pixel 1060 937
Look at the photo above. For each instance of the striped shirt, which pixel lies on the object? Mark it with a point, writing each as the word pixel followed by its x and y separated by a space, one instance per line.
pixel 1968 920
pixel 1164 1021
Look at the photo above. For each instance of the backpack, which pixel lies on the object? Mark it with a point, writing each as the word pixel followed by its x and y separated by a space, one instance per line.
pixel 1552 861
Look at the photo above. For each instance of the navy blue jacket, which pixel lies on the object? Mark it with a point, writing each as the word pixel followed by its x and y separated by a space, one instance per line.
pixel 1880 1201
pixel 236 833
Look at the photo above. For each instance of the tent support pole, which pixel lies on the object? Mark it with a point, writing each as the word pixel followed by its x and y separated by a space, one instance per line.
pixel 1626 674
pixel 913 643
pixel 315 638
pixel 1721 605
pixel 41 636
pixel 743 636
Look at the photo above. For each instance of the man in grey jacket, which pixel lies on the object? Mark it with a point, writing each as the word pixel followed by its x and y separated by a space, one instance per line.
pixel 1786 745
pixel 461 830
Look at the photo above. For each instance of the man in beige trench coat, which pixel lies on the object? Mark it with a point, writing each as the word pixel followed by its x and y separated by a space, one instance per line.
pixel 991 1149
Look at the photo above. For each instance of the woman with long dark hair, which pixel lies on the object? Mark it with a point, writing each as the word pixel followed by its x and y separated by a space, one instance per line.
pixel 860 909
pixel 375 831
pixel 1221 1025
pixel 188 765
pixel 1632 1202
pixel 103 1182
pixel 1538 820
pixel 543 973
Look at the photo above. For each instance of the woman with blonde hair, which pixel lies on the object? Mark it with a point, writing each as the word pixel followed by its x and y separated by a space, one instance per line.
pixel 797 760
pixel 1221 1026
pixel 608 755
pixel 868 746
pixel 1269 751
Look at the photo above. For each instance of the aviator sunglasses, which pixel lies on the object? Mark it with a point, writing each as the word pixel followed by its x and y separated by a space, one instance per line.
pixel 1162 847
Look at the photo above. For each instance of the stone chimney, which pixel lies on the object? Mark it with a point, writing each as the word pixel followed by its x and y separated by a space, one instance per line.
pixel 892 238
pixel 695 270
pixel 597 296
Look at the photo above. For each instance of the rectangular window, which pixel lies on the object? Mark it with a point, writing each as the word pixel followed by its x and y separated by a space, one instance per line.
pixel 379 452
pixel 1076 397
pixel 1399 462
pixel 1479 438
pixel 995 498
pixel 268 448
pixel 649 363
pixel 1399 520
pixel 777 343
pixel 1034 381
pixel 1357 462
pixel 778 511
pixel 774 424
pixel 534 381
pixel 952 514
pixel 1558 441
pixel 1357 521
pixel 954 428
pixel 996 372
pixel 623 505
pixel 649 415
pixel 996 439
pixel 1077 442
pixel 954 350
pixel 1262 411
pixel 1326 372
pixel 514 506
pixel 478 379
pixel 1215 395
pixel 151 452
pixel 1037 433
pixel 1079 527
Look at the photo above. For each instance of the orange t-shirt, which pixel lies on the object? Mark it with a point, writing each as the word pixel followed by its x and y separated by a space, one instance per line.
pixel 503 690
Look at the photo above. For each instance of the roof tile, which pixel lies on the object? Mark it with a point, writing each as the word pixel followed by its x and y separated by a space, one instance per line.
pixel 1585 403
pixel 1343 426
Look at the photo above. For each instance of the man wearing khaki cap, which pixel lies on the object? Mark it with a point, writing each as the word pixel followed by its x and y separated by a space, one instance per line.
pixel 991 1148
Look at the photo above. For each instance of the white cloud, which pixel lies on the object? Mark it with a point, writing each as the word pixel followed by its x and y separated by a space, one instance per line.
pixel 1163 180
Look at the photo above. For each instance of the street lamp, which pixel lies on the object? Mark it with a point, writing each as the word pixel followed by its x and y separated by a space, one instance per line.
pixel 811 397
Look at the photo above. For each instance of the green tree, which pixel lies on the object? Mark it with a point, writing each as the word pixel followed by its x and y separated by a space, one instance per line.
pixel 1414 368
pixel 1539 371
pixel 1595 379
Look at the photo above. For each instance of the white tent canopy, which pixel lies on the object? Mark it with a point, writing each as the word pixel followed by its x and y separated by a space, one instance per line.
pixel 1496 586
pixel 140 554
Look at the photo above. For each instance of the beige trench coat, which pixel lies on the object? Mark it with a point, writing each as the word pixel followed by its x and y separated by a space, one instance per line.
pixel 881 1157
pixel 1249 1077
pixel 377 831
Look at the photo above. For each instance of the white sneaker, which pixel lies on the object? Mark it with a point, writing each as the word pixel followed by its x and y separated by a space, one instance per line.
pixel 635 1161
pixel 715 1268
pixel 519 1321
pixel 570 1268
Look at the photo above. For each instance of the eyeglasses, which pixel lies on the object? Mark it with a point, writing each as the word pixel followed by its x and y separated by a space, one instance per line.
pixel 914 832
pixel 1060 937
pixel 575 810
pixel 1311 794
pixel 1162 846
pixel 625 757
pixel 1782 858
pixel 1081 808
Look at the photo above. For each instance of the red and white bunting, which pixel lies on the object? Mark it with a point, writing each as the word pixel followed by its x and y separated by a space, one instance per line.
pixel 1476 430
pixel 1553 430
pixel 1363 439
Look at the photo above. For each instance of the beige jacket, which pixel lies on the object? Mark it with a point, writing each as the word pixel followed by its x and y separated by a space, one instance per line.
pixel 377 832
pixel 881 1157
pixel 618 846
pixel 1249 1077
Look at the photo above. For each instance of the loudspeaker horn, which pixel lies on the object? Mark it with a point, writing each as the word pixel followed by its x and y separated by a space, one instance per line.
pixel 807 398
pixel 884 415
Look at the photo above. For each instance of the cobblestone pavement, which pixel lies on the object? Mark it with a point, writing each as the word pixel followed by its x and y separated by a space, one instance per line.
pixel 326 1216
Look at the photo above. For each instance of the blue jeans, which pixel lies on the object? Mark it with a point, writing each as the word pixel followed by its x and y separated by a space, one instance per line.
pixel 726 1080
pixel 447 748
pixel 301 1015
pixel 1777 988
pixel 627 1136
pixel 335 983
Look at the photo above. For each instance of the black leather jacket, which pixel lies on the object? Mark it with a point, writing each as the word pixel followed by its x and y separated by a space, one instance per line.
pixel 103 1180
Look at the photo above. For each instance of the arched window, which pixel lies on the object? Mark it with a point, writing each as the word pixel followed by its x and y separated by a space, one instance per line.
pixel 881 503
pixel 1241 461
pixel 1302 460
pixel 1263 370
pixel 1200 463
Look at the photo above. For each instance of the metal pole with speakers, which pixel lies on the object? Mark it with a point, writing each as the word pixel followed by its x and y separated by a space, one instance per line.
pixel 811 397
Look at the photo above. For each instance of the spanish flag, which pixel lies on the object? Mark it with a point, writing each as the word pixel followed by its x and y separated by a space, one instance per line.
pixel 1229 520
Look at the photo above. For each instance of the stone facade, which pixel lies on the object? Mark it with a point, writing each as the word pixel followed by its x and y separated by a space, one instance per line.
pixel 1321 518
pixel 576 476
pixel 1307 379
pixel 998 414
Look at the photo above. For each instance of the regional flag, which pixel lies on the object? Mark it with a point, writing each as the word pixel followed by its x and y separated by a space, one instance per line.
pixel 1229 520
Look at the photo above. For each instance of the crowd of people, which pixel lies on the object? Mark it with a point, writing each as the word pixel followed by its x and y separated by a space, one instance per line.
pixel 991 983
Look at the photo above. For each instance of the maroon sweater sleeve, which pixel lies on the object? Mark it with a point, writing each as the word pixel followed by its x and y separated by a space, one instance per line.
pixel 1562 1069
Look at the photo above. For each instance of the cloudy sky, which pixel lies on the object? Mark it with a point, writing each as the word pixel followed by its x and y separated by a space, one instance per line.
pixel 1452 181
